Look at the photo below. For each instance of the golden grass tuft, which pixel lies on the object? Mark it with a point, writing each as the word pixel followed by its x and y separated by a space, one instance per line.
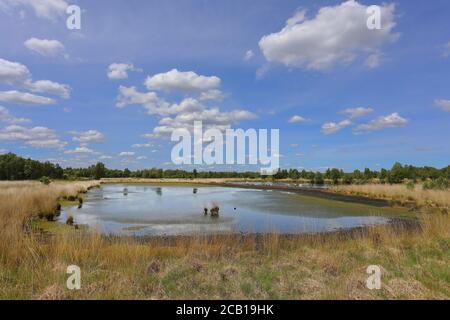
pixel 400 193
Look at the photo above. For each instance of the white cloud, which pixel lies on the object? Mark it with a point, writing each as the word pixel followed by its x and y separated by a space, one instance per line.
pixel 80 150
pixel 141 158
pixel 443 104
pixel 142 145
pixel 248 55
pixel 127 154
pixel 150 100
pixel 120 70
pixel 45 47
pixel 47 9
pixel 337 34
pixel 182 114
pixel 15 73
pixel 211 118
pixel 297 119
pixel 175 80
pixel 188 110
pixel 39 137
pixel 356 112
pixel 393 120
pixel 88 136
pixel 48 86
pixel 105 157
pixel 14 96
pixel 212 95
pixel 5 116
pixel 333 127
pixel 294 145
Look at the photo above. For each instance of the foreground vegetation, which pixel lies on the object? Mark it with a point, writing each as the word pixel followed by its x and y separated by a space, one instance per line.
pixel 33 262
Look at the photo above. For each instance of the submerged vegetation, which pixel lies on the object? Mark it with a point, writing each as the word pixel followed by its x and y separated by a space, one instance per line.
pixel 33 260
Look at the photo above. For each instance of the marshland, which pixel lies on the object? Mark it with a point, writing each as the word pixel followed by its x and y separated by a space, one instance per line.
pixel 173 234
pixel 36 250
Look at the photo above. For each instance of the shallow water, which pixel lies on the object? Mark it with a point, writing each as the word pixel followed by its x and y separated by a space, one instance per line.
pixel 174 209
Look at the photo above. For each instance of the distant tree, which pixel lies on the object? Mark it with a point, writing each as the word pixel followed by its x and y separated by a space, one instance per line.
pixel 99 171
pixel 335 175
pixel 318 178
pixel 396 174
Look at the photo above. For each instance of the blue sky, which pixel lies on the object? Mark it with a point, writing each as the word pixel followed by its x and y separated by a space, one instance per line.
pixel 321 62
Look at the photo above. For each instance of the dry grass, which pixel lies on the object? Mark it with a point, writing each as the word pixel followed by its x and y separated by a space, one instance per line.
pixel 20 201
pixel 400 193
pixel 415 265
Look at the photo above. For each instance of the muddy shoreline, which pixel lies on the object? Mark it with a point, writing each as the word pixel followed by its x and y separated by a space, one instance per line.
pixel 313 192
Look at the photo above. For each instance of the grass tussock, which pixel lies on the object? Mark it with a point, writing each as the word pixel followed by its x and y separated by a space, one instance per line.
pixel 414 263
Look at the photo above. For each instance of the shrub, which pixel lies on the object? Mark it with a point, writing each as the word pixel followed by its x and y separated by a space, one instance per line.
pixel 410 185
pixel 437 184
pixel 45 180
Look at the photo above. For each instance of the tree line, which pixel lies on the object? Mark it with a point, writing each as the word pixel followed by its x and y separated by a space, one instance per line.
pixel 13 167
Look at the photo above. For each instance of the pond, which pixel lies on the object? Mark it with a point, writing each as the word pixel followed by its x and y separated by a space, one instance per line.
pixel 179 209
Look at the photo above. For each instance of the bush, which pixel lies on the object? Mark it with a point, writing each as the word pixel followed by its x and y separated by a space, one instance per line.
pixel 410 185
pixel 45 180
pixel 437 184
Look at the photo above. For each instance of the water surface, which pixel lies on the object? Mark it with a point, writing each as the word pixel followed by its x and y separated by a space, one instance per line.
pixel 174 209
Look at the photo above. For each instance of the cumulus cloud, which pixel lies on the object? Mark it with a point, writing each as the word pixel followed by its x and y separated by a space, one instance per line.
pixel 443 104
pixel 105 157
pixel 337 34
pixel 175 80
pixel 45 47
pixel 393 120
pixel 127 154
pixel 150 100
pixel 356 112
pixel 212 95
pixel 46 9
pixel 333 127
pixel 47 86
pixel 211 118
pixel 141 158
pixel 120 70
pixel 297 119
pixel 88 136
pixel 6 116
pixel 14 96
pixel 13 73
pixel 184 113
pixel 17 74
pixel 39 137
pixel 80 150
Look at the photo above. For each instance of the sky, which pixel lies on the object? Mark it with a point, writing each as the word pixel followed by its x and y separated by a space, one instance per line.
pixel 342 95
